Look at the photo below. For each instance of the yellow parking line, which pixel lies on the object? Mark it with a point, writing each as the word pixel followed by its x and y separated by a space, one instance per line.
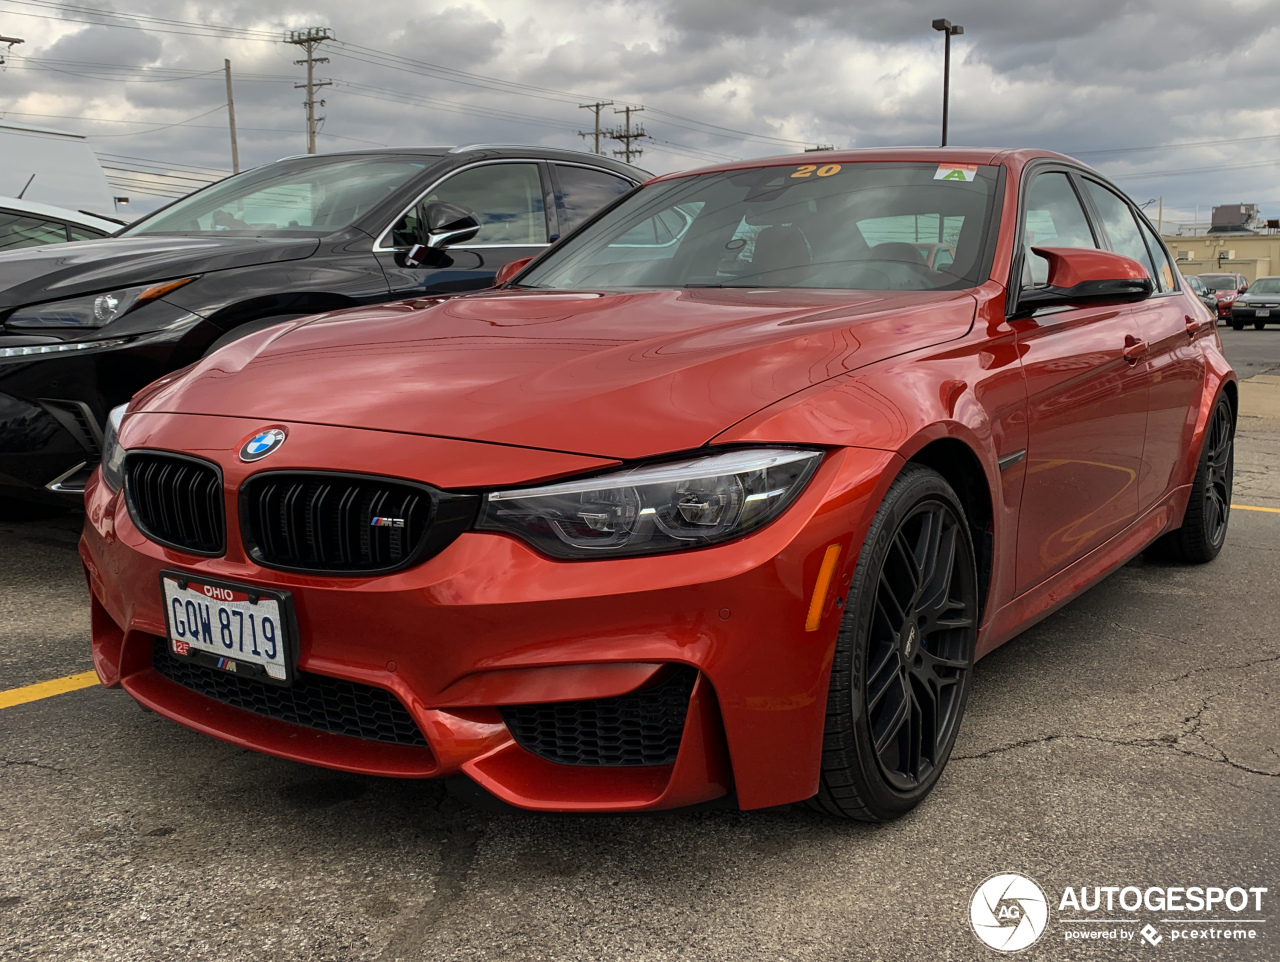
pixel 1249 507
pixel 47 689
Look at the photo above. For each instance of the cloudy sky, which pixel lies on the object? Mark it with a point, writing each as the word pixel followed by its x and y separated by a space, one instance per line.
pixel 1176 99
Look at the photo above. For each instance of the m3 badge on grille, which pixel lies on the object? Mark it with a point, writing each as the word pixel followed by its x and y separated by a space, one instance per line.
pixel 261 444
pixel 387 522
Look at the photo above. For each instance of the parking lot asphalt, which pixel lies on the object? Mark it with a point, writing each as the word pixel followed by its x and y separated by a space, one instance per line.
pixel 1133 738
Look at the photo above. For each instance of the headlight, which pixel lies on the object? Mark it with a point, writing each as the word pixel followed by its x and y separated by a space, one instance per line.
pixel 112 452
pixel 93 310
pixel 654 508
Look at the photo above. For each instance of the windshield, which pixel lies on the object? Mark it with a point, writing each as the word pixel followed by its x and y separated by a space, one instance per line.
pixel 857 226
pixel 317 198
pixel 1220 282
pixel 1265 285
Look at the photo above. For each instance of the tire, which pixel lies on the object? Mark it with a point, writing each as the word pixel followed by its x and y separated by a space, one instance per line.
pixel 1237 325
pixel 1259 325
pixel 249 327
pixel 900 678
pixel 1204 527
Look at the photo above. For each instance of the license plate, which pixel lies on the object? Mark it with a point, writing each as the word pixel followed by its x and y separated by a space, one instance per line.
pixel 1264 312
pixel 235 628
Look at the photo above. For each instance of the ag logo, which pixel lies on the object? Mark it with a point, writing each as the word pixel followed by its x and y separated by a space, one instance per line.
pixel 1008 912
pixel 261 444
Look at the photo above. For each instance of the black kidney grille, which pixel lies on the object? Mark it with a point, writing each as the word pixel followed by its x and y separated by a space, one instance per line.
pixel 326 522
pixel 315 701
pixel 176 501
pixel 640 728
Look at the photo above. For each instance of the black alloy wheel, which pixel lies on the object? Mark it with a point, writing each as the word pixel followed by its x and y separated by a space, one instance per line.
pixel 1204 527
pixel 904 655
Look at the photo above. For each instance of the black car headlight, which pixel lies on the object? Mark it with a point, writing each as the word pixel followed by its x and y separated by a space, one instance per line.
pixel 654 508
pixel 112 451
pixel 93 310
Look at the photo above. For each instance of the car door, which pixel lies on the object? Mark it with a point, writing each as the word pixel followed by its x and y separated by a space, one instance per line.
pixel 509 198
pixel 1086 399
pixel 1173 363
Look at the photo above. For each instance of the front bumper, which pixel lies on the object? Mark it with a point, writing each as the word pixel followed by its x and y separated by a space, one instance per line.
pixel 1249 312
pixel 53 406
pixel 489 623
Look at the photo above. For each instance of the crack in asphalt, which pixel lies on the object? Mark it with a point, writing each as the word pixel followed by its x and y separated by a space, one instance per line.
pixel 1248 664
pixel 458 849
pixel 1172 742
pixel 28 763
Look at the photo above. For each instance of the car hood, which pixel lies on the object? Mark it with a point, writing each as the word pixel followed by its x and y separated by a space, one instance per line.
pixel 619 375
pixel 65 270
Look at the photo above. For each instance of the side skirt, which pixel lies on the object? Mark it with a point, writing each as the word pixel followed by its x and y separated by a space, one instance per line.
pixel 1047 597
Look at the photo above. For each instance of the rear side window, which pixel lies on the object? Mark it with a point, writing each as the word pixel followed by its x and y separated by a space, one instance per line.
pixel 1053 217
pixel 78 233
pixel 584 191
pixel 1121 226
pixel 18 230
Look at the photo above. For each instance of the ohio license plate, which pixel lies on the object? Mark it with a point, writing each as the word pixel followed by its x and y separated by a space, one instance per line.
pixel 231 627
pixel 1264 312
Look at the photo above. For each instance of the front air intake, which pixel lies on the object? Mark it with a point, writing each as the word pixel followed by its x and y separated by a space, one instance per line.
pixel 323 522
pixel 176 501
pixel 639 728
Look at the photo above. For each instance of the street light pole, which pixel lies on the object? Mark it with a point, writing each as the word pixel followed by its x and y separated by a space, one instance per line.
pixel 949 30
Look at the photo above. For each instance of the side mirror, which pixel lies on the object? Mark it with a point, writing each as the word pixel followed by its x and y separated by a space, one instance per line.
pixel 449 224
pixel 509 270
pixel 1082 275
pixel 1244 289
pixel 445 224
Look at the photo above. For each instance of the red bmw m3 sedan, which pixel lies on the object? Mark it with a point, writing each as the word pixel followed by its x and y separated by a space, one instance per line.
pixel 716 502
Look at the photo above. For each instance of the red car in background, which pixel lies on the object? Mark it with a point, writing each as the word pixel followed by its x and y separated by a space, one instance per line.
pixel 717 501
pixel 1226 288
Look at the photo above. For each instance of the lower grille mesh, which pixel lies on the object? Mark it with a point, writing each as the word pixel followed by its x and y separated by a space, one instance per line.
pixel 315 701
pixel 640 728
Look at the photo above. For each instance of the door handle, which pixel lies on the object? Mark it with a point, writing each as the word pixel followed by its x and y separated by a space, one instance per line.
pixel 1134 349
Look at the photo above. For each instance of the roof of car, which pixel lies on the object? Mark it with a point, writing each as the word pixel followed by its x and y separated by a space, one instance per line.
pixel 1014 157
pixel 528 150
pixel 60 213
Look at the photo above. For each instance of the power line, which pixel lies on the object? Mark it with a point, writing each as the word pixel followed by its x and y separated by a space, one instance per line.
pixel 625 135
pixel 595 108
pixel 309 40
pixel 377 57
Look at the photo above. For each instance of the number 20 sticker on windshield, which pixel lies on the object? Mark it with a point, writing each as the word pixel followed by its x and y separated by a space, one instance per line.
pixel 964 172
pixel 808 170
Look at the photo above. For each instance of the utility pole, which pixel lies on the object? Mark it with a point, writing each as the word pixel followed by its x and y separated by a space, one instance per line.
pixel 626 135
pixel 10 42
pixel 231 115
pixel 596 107
pixel 949 30
pixel 310 39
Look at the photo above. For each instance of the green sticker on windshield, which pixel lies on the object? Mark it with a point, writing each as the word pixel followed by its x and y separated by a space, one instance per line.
pixel 960 172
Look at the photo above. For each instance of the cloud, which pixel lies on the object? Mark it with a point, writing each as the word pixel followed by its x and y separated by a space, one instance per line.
pixel 1087 76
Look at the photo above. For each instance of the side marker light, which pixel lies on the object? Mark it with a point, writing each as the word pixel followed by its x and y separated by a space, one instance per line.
pixel 821 587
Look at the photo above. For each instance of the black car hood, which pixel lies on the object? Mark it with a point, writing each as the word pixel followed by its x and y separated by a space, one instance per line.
pixel 66 270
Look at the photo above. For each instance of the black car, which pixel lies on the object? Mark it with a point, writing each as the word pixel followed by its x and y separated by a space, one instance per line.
pixel 1207 297
pixel 1259 306
pixel 85 325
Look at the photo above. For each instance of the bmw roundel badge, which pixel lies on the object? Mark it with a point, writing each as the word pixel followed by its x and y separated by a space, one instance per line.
pixel 261 444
